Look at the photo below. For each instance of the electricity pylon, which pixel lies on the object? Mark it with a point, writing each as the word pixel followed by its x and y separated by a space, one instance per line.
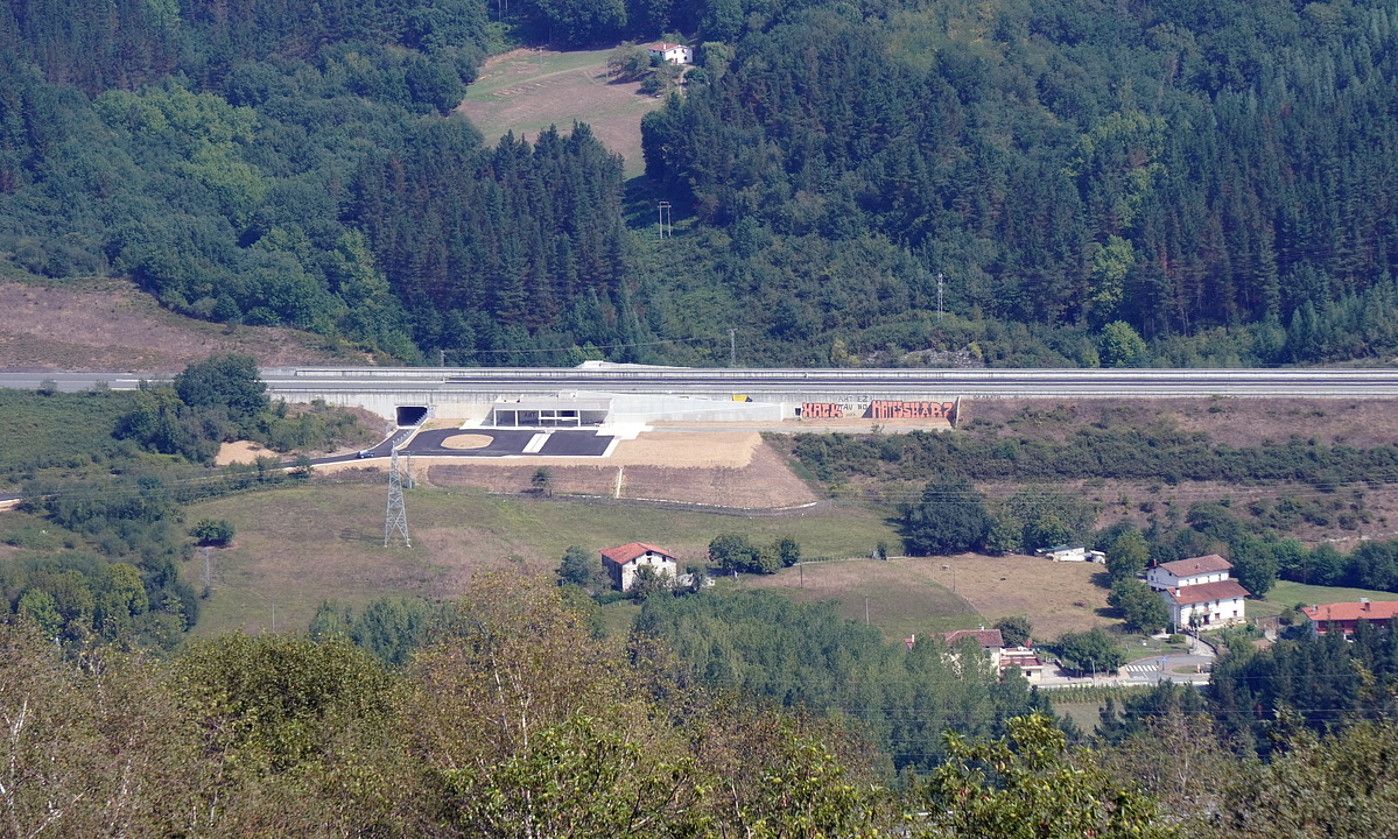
pixel 396 520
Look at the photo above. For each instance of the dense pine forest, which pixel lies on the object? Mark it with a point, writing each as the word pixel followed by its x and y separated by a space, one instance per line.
pixel 1171 182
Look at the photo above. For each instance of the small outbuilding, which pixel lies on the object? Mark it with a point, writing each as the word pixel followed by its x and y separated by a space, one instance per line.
pixel 1071 553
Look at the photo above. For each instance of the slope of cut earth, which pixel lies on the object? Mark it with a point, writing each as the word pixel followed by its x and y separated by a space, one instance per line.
pixel 298 546
pixel 1235 422
pixel 110 325
pixel 527 90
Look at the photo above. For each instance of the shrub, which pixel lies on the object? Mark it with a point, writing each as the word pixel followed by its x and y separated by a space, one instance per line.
pixel 216 532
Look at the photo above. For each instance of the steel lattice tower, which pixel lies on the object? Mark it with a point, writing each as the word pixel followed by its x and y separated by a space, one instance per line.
pixel 396 521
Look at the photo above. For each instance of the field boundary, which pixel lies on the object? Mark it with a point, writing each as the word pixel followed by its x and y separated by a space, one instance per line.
pixel 807 508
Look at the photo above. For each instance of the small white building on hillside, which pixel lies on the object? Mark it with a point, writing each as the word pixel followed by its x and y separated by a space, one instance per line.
pixel 671 53
pixel 1199 592
pixel 1071 553
pixel 623 561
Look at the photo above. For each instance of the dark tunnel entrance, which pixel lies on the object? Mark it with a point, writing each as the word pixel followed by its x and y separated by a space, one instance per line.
pixel 411 414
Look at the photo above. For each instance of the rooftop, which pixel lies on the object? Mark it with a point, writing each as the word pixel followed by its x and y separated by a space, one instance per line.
pixel 662 46
pixel 623 554
pixel 1204 592
pixel 1380 610
pixel 987 638
pixel 1196 565
pixel 1021 657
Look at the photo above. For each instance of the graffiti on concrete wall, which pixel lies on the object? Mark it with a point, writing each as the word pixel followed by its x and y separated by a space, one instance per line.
pixel 898 409
pixel 880 409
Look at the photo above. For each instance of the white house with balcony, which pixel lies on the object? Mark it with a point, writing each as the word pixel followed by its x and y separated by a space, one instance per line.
pixel 1199 592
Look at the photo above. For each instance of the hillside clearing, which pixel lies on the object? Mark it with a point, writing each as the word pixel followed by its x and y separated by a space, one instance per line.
pixel 527 90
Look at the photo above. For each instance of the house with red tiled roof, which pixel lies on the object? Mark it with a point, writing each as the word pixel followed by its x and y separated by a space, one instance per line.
pixel 670 53
pixel 1024 658
pixel 1199 592
pixel 624 561
pixel 1345 617
pixel 991 642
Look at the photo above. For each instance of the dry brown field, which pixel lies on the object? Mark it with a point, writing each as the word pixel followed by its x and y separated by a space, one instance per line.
pixel 110 325
pixel 912 594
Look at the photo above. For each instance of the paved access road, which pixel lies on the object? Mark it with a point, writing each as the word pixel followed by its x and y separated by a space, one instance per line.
pixel 1191 667
pixel 504 442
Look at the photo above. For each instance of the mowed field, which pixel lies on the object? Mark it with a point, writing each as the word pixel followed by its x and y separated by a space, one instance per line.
pixel 922 594
pixel 527 90
pixel 296 547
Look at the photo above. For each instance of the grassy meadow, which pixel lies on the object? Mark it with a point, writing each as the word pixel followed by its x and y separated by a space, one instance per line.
pixel 298 546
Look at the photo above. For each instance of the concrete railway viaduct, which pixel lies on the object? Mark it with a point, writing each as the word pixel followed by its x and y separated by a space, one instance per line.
pixel 715 394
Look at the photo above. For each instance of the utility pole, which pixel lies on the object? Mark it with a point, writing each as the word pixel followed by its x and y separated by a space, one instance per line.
pixel 396 520
pixel 208 577
pixel 732 348
pixel 939 296
pixel 441 358
pixel 866 611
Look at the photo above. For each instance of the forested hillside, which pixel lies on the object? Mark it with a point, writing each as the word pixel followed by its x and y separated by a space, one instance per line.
pixel 1217 179
pixel 1176 165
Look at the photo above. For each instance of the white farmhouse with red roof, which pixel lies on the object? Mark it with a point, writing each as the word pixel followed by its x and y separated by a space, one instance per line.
pixel 623 561
pixel 1199 591
pixel 671 53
